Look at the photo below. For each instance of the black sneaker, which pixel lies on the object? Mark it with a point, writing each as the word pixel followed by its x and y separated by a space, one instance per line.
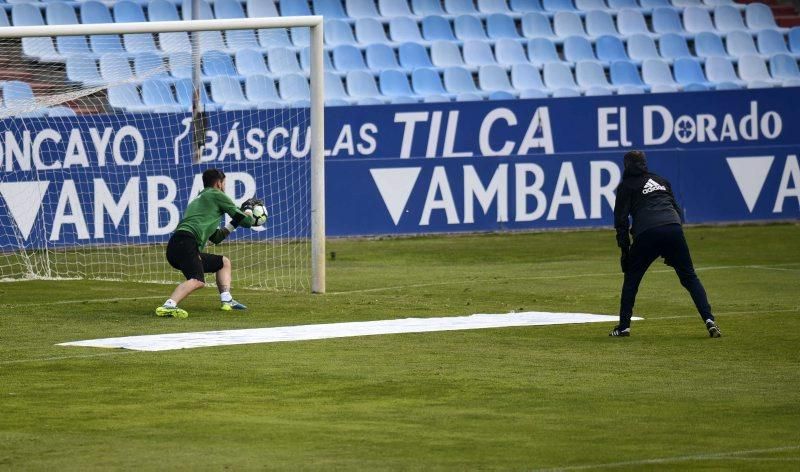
pixel 713 329
pixel 620 332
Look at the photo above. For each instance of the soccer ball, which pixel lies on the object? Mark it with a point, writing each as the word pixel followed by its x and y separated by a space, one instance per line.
pixel 260 214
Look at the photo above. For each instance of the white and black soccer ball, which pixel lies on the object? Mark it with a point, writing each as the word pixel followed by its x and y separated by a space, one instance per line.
pixel 260 214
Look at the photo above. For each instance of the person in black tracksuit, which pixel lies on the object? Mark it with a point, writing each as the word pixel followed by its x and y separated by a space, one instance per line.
pixel 647 198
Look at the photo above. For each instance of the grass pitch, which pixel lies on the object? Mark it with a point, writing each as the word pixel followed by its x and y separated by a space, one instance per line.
pixel 517 398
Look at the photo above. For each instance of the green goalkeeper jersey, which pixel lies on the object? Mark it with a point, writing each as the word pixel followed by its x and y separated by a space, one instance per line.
pixel 202 216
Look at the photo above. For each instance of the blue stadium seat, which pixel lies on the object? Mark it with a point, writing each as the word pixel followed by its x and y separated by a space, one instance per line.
pixel 392 8
pixel 600 23
pixel 525 77
pixel 469 27
pixel 276 38
pixel 426 82
pixel 674 47
pixel 610 49
pixel 294 8
pixel 404 30
pixel 370 31
pixel 591 5
pixel 63 14
pixel 362 9
pixel 446 54
pixel 657 72
pixel 794 40
pixel 17 94
pixel 147 65
pixel 478 53
pixel 468 97
pixel 260 89
pixel 688 72
pixel 567 24
pixel 60 112
pixel 526 6
pixel 618 5
pixel 187 10
pixel 590 74
pixel 728 18
pixel 209 40
pixel 771 42
pixel 460 7
pixel 436 99
pixel 334 90
pixel 494 79
pixel 693 87
pixel 625 74
pixel 217 63
pixel 784 68
pixel 459 80
pixel 381 57
pixel 228 9
pixel 283 61
pixel 631 22
pixel 124 96
pixel 228 91
pixel 236 39
pixel 25 14
pixel 709 45
pixel 687 3
pixel 180 65
pixel 536 25
pixel 667 20
pixel 157 95
pixel 347 58
pixel 753 69
pixel 541 51
pixel 759 17
pixel 559 76
pixel 578 49
pixel 740 43
pixel 330 9
pixel 509 52
pixel 651 4
pixel 83 69
pixel 301 37
pixel 493 6
pixel 115 68
pixel 727 86
pixel 338 32
pixel 697 20
pixel 427 7
pixel 598 91
pixel 501 95
pixel 250 62
pixel 305 60
pixel 162 10
pixel 435 28
pixel 664 88
pixel 629 90
pixel 184 92
pixel 720 70
pixel 93 12
pixel 361 84
pixel 413 55
pixel 260 8
pixel 566 93
pixel 533 94
pixel 641 48
pixel 500 26
pixel 294 87
pixel 558 5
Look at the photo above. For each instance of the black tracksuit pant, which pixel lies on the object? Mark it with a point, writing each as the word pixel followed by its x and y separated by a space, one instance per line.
pixel 662 241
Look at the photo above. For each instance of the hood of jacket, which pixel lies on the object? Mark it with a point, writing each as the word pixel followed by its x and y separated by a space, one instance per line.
pixel 634 167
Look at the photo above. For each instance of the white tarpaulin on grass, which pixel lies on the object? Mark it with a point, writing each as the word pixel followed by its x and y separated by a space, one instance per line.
pixel 166 342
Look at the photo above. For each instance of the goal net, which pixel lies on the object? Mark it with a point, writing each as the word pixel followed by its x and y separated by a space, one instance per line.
pixel 106 129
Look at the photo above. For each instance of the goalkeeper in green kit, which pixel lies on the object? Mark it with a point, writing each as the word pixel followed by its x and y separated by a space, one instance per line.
pixel 199 225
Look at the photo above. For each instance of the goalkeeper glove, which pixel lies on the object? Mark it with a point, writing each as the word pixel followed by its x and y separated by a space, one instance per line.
pixel 250 203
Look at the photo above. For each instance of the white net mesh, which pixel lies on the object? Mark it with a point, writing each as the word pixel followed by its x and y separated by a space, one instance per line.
pixel 98 140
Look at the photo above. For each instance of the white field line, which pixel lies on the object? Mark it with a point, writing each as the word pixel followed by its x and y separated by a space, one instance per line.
pixel 674 459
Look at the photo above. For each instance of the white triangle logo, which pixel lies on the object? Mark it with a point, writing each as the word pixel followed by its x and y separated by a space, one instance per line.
pixel 395 186
pixel 750 174
pixel 23 200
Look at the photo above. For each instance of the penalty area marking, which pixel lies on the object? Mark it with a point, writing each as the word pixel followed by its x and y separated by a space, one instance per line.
pixel 167 342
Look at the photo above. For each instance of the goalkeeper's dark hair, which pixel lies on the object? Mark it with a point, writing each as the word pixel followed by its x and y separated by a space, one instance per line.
pixel 635 158
pixel 212 176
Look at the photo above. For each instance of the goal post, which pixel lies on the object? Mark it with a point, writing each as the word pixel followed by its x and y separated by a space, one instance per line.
pixel 43 157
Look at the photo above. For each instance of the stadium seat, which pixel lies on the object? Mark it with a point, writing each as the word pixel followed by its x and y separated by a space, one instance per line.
pixel 526 6
pixel 478 53
pixel 600 23
pixel 162 10
pixel 459 80
pixel 753 69
pixel 618 5
pixel 567 24
pixel 494 79
pixel 578 49
pixel 283 61
pixel 590 74
pixel 771 42
pixel 657 72
pixel 294 8
pixel 598 91
pixel 427 7
pixel 446 54
pixel 236 39
pixel 536 25
pixel 60 14
pixel 709 45
pixel 728 18
pixel 468 28
pixel 740 44
pixel 180 65
pixel 693 87
pixel 697 20
pixel 436 28
pixel 157 95
pixel 338 32
pixel 631 22
pixel 541 51
pixel 629 90
pixel 228 91
pixel 260 88
pixel 559 76
pixel 217 63
pixel 525 77
pixel 459 7
pixel 184 92
pixel 591 5
pixel 370 31
pixel 250 62
pixel 720 70
pixel 305 60
pixel 558 5
pixel 413 55
pixel 260 9
pixel 727 86
pixel 625 74
pixel 147 65
pixel 664 88
pixel 759 17
pixel 610 49
pixel 566 93
pixel 426 82
pixel 501 95
pixel 301 37
pixel 510 52
pixel 784 68
pixel 493 6
pixel 404 30
pixel 667 20
pixel 115 68
pixel 361 84
pixel 334 89
pixel 347 58
pixel 794 40
pixel 83 69
pixel 124 96
pixel 673 47
pixel 187 10
pixel 294 87
pixel 93 12
pixel 381 57
pixel 275 38
pixel 330 9
pixel 689 72
pixel 393 8
pixel 499 26
pixel 60 112
pixel 641 48
pixel 468 97
pixel 362 9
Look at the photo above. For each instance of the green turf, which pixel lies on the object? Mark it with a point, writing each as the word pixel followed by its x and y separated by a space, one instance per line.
pixel 516 398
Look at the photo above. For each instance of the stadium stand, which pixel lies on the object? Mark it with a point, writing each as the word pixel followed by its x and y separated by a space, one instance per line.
pixel 406 51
